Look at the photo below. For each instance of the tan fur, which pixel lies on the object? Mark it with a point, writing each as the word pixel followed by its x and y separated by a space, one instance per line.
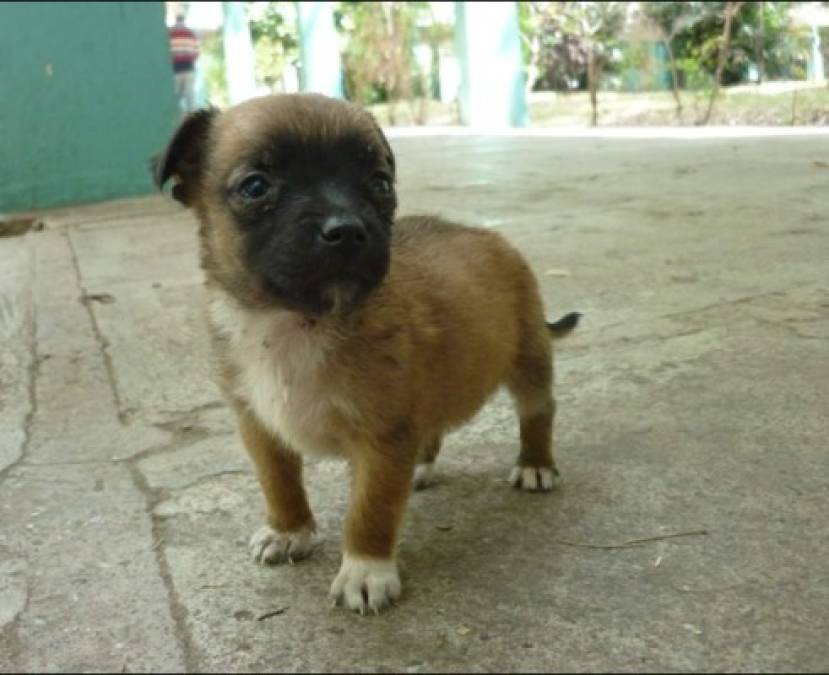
pixel 279 470
pixel 457 316
pixel 310 117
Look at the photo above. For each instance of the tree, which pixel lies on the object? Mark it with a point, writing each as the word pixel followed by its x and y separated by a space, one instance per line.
pixel 555 59
pixel 759 40
pixel 669 19
pixel 729 12
pixel 570 41
pixel 379 59
pixel 275 40
pixel 598 25
pixel 761 32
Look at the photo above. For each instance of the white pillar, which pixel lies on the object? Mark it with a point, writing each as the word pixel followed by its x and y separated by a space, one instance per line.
pixel 239 58
pixel 489 48
pixel 319 47
pixel 816 71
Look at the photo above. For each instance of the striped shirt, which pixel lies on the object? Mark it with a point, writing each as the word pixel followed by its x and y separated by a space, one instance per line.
pixel 184 48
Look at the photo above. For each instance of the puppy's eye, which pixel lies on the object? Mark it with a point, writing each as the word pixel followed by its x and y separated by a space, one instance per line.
pixel 254 187
pixel 380 184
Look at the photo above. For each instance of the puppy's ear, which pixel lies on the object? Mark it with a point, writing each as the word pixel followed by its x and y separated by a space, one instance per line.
pixel 386 146
pixel 184 157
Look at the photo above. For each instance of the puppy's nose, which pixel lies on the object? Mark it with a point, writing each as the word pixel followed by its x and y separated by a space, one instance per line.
pixel 343 230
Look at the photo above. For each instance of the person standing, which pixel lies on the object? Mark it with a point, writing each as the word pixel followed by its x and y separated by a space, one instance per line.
pixel 184 50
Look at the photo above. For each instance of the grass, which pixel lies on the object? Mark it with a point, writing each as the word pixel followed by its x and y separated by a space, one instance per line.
pixel 771 104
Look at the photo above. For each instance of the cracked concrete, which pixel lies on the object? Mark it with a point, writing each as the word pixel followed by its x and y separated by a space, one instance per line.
pixel 18 361
pixel 692 398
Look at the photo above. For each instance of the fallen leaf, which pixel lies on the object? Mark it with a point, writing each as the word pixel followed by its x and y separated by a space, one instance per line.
pixel 821 165
pixel 557 273
pixel 463 630
pixel 443 528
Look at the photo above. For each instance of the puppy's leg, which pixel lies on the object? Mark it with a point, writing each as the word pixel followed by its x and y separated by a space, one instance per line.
pixel 531 385
pixel 381 482
pixel 535 469
pixel 287 536
pixel 424 472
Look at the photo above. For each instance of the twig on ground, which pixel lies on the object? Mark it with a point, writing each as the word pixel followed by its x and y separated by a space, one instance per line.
pixel 633 542
pixel 268 615
pixel 103 298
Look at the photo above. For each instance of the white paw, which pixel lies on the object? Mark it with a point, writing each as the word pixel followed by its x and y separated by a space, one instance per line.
pixel 424 476
pixel 533 479
pixel 267 546
pixel 366 584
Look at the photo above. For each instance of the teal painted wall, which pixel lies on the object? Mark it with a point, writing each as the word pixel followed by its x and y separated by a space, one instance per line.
pixel 86 97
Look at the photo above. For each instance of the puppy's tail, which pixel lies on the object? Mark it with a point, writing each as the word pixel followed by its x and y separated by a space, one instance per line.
pixel 564 325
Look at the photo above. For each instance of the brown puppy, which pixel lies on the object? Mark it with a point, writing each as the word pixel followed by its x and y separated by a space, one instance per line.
pixel 338 334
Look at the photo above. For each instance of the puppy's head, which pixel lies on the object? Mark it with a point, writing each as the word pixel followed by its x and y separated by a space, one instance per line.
pixel 295 196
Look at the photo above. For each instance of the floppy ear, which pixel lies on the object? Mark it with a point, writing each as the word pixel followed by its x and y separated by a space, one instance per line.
pixel 183 158
pixel 386 146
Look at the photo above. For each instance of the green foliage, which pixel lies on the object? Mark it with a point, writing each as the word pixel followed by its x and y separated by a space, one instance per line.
pixel 598 22
pixel 761 31
pixel 212 49
pixel 557 38
pixel 378 60
pixel 557 41
pixel 762 35
pixel 785 47
pixel 275 41
pixel 528 28
pixel 694 76
pixel 638 67
pixel 673 18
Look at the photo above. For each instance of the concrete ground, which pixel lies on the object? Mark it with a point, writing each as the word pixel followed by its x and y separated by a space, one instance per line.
pixel 690 531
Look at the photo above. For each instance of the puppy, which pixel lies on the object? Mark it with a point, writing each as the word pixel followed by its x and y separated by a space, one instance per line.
pixel 340 332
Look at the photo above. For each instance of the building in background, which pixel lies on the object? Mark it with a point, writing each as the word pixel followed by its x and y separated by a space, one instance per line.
pixel 814 17
pixel 88 100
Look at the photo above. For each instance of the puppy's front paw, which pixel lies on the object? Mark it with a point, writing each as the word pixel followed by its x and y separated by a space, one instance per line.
pixel 533 478
pixel 363 583
pixel 267 546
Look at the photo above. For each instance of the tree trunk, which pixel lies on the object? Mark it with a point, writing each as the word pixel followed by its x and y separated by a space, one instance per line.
pixel 532 66
pixel 760 44
pixel 593 85
pixel 794 106
pixel 674 78
pixel 725 45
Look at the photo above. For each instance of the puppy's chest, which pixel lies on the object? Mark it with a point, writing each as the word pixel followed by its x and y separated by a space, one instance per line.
pixel 284 372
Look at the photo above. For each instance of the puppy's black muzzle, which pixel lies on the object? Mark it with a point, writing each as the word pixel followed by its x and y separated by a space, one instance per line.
pixel 343 233
pixel 339 254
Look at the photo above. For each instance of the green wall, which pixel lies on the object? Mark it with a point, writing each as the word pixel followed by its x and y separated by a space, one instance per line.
pixel 86 97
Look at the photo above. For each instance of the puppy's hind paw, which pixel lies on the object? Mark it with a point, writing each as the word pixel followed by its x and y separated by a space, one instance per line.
pixel 424 476
pixel 270 547
pixel 533 478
